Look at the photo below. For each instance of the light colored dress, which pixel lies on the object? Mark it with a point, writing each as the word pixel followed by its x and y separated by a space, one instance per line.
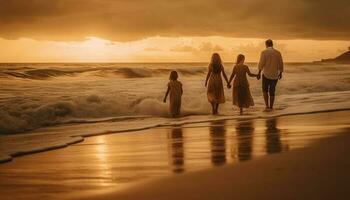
pixel 241 95
pixel 175 97
pixel 215 91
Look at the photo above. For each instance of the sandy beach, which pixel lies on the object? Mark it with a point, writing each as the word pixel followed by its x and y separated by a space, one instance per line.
pixel 318 172
pixel 158 163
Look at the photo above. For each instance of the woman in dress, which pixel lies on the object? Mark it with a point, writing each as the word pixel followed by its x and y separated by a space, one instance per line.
pixel 241 96
pixel 213 82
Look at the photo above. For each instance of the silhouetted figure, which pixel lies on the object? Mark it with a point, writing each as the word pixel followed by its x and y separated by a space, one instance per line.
pixel 175 90
pixel 218 142
pixel 271 64
pixel 215 88
pixel 176 149
pixel 241 95
pixel 245 130
pixel 273 141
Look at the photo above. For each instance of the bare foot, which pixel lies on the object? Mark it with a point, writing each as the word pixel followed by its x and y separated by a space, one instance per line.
pixel 267 109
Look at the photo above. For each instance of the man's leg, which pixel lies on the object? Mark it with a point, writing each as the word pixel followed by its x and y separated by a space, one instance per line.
pixel 266 99
pixel 265 89
pixel 272 101
pixel 272 92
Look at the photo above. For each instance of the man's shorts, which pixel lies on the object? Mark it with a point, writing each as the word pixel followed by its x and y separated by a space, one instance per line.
pixel 269 85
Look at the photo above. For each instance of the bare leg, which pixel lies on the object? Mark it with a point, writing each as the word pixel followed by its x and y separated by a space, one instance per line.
pixel 213 108
pixel 272 101
pixel 266 98
pixel 217 109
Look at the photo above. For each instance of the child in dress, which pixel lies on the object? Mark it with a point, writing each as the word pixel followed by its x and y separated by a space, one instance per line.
pixel 241 96
pixel 175 90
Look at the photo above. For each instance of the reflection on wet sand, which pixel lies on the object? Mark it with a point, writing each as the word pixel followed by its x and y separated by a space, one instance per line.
pixel 119 159
pixel 273 137
pixel 217 132
pixel 245 130
pixel 176 149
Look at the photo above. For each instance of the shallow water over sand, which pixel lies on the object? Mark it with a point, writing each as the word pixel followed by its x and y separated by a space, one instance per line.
pixel 119 159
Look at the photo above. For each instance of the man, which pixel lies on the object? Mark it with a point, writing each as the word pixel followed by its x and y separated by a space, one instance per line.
pixel 271 64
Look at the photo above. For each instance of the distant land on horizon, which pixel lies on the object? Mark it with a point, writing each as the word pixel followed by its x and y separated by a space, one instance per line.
pixel 341 59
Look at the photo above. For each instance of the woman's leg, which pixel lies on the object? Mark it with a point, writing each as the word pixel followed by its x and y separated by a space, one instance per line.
pixel 217 108
pixel 213 108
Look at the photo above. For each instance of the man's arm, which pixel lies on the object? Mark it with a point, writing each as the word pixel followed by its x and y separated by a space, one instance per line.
pixel 280 66
pixel 261 63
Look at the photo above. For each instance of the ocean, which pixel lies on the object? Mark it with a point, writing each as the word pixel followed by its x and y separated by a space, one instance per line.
pixel 46 106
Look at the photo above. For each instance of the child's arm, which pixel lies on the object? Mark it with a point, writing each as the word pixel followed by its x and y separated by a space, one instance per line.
pixel 166 94
pixel 208 75
pixel 251 74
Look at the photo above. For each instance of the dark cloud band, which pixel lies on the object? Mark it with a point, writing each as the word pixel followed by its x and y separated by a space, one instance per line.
pixel 122 20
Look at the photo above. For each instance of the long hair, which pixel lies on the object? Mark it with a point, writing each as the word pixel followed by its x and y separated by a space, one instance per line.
pixel 173 75
pixel 216 63
pixel 240 57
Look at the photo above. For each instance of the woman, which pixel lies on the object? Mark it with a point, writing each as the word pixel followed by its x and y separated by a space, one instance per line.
pixel 215 91
pixel 241 96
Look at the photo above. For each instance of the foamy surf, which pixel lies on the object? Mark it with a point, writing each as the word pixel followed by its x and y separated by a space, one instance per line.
pixel 49 138
pixel 70 102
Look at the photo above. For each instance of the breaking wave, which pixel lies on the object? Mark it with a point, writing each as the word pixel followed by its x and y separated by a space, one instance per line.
pixel 29 105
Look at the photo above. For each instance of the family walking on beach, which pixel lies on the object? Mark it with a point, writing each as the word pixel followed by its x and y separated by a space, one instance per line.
pixel 270 69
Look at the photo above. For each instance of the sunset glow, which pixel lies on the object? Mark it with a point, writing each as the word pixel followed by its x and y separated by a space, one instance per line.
pixel 161 49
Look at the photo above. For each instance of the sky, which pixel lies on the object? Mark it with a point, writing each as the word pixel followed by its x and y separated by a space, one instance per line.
pixel 170 30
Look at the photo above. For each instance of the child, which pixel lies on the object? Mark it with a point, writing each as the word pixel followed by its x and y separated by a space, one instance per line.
pixel 241 96
pixel 175 89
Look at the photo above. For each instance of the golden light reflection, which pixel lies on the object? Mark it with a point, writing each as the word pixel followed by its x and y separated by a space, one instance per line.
pixel 105 173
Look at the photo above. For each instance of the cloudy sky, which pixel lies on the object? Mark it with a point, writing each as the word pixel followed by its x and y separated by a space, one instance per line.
pixel 170 30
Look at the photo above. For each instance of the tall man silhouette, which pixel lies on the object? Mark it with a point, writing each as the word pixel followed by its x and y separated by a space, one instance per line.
pixel 271 66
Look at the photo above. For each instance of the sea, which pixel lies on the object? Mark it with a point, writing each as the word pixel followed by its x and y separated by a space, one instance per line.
pixel 51 105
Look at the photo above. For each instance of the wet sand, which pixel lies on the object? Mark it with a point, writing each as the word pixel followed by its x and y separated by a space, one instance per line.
pixel 319 172
pixel 114 162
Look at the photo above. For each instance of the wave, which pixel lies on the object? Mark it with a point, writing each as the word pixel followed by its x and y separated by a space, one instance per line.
pixel 29 115
pixel 139 71
pixel 125 72
pixel 19 118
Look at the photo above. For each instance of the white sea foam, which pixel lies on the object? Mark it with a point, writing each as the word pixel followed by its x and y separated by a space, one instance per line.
pixel 96 99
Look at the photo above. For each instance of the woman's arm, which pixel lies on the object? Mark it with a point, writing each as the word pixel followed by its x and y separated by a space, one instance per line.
pixel 208 75
pixel 224 75
pixel 166 94
pixel 232 75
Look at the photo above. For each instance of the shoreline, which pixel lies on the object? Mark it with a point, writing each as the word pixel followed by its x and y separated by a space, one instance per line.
pixel 80 138
pixel 120 162
pixel 320 173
